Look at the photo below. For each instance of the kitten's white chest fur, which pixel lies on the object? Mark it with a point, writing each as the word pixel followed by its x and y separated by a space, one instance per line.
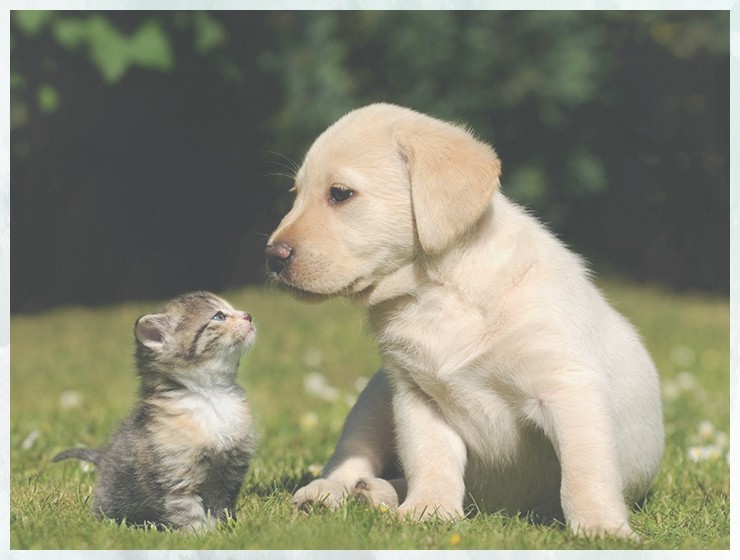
pixel 216 418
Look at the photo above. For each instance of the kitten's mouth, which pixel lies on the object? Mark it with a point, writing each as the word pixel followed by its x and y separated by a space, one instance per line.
pixel 244 338
pixel 250 335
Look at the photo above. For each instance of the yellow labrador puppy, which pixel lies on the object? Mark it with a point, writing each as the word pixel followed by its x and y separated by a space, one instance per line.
pixel 508 381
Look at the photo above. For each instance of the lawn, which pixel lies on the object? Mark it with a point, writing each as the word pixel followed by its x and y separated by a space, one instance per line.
pixel 72 380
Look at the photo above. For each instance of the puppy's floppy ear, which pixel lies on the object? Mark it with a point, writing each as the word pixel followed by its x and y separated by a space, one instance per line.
pixel 151 330
pixel 453 177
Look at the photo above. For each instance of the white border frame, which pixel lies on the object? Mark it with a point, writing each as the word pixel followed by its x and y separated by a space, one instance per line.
pixel 5 551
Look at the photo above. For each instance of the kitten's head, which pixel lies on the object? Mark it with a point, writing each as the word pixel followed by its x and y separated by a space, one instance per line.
pixel 197 338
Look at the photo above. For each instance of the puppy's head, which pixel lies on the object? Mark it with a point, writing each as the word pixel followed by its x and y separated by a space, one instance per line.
pixel 380 187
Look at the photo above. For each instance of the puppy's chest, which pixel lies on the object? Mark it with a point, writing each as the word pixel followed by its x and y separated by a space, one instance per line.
pixel 443 346
pixel 435 335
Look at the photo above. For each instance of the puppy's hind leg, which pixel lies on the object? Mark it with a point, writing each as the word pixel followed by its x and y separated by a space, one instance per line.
pixel 577 416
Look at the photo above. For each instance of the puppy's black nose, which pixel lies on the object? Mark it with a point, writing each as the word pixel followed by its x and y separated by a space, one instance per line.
pixel 278 256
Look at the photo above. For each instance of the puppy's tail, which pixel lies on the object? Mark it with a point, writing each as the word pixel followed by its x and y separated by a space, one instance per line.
pixel 89 455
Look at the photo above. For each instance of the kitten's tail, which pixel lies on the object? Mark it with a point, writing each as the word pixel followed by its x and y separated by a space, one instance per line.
pixel 89 455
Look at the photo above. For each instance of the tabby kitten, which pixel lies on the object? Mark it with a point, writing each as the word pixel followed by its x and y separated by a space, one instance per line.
pixel 179 460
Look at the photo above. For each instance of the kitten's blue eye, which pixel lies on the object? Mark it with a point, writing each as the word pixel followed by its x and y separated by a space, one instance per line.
pixel 218 317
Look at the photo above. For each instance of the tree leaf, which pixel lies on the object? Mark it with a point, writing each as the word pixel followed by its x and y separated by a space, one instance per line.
pixel 32 22
pixel 47 98
pixel 150 47
pixel 209 33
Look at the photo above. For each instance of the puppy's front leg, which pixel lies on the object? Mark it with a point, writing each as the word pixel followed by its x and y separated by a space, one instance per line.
pixel 432 454
pixel 580 420
pixel 363 451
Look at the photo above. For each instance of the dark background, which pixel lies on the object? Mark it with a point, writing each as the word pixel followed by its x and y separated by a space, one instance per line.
pixel 150 151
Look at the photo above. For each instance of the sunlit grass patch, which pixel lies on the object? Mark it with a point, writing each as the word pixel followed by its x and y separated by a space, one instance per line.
pixel 72 381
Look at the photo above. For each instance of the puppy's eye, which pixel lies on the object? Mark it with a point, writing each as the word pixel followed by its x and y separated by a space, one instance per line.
pixel 219 317
pixel 340 194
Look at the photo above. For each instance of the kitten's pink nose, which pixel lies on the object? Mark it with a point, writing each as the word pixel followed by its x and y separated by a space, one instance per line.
pixel 247 316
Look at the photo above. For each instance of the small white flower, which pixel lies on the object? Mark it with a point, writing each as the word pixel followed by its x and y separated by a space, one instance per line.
pixel 361 383
pixel 30 439
pixel 671 391
pixel 683 355
pixel 699 453
pixel 70 399
pixel 696 453
pixel 315 469
pixel 316 384
pixel 686 381
pixel 313 358
pixel 713 452
pixel 707 430
pixel 86 467
pixel 722 440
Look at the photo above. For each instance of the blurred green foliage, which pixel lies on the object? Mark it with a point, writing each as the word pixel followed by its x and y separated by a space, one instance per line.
pixel 600 118
pixel 112 52
pixel 209 33
pixel 32 22
pixel 109 50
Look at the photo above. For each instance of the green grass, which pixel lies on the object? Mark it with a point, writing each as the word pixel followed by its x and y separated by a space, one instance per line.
pixel 72 380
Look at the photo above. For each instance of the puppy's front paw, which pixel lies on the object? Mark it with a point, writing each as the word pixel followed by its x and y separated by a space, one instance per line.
pixel 381 492
pixel 425 511
pixel 322 492
pixel 619 530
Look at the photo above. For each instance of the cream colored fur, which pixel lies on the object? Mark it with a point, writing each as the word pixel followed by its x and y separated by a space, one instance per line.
pixel 508 381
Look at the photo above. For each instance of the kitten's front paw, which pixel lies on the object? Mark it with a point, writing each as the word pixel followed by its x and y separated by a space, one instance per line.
pixel 322 492
pixel 201 526
pixel 425 511
pixel 381 492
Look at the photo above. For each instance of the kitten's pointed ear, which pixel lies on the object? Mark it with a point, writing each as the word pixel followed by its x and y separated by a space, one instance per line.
pixel 150 330
pixel 453 176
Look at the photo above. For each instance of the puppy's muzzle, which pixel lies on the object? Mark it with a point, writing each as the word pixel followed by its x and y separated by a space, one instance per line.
pixel 278 256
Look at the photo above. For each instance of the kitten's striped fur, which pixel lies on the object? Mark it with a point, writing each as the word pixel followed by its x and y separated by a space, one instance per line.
pixel 180 458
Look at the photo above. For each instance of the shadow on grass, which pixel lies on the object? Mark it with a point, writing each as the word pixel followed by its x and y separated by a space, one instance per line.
pixel 288 483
